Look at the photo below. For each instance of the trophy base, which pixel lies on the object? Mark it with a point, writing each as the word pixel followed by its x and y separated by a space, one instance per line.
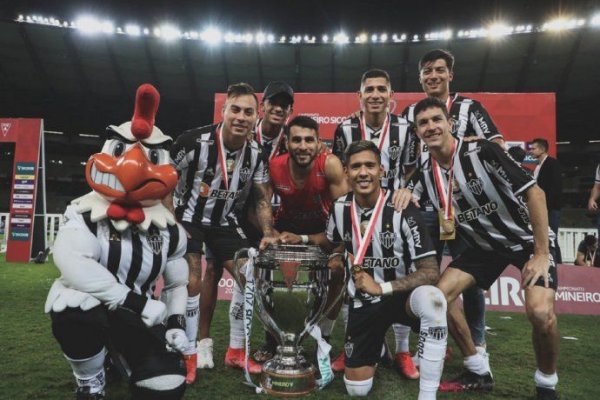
pixel 288 374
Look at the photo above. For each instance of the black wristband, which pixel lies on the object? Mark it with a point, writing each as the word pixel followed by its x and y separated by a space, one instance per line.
pixel 135 302
pixel 176 321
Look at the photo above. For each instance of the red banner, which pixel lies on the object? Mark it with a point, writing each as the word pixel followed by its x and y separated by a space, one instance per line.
pixel 520 117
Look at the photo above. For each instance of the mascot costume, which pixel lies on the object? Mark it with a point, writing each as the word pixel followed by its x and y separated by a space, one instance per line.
pixel 113 246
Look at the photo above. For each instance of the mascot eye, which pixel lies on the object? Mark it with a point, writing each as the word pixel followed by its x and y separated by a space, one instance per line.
pixel 154 156
pixel 118 149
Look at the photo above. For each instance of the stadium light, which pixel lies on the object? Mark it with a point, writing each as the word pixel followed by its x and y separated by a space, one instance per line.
pixel 595 21
pixel 560 24
pixel 167 32
pixel 498 30
pixel 325 38
pixel 383 38
pixel 133 30
pixel 374 38
pixel 86 24
pixel 341 38
pixel 211 35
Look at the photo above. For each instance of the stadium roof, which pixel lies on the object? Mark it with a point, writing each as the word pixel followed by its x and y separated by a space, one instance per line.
pixel 80 82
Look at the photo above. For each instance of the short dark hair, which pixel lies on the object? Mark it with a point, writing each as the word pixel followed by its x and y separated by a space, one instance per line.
pixel 517 153
pixel 302 121
pixel 375 73
pixel 430 102
pixel 437 54
pixel 241 89
pixel 541 142
pixel 359 146
pixel 590 240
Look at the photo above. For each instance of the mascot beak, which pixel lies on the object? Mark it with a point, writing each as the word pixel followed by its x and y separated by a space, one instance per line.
pixel 130 178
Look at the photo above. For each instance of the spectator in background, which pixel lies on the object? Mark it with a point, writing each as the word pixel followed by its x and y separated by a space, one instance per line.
pixel 592 204
pixel 547 175
pixel 587 254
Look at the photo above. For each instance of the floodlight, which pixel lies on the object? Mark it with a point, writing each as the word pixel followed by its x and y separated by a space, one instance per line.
pixel 168 32
pixel 133 30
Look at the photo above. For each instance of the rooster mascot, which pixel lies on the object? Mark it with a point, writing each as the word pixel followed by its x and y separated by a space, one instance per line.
pixel 113 246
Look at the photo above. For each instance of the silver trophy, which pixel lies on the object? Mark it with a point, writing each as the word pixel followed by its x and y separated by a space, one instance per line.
pixel 291 292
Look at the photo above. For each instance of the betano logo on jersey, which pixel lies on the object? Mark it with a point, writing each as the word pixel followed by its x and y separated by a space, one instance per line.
pixel 206 191
pixel 384 262
pixel 474 213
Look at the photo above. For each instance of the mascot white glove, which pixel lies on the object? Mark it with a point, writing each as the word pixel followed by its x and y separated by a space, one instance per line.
pixel 154 312
pixel 177 339
pixel 60 297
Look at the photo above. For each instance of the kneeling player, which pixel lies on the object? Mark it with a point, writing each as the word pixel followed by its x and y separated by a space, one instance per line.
pixel 380 245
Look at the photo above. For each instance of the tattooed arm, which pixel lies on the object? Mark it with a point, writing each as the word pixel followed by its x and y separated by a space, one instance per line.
pixel 262 193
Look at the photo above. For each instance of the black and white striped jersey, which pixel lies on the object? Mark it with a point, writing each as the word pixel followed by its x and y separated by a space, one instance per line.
pixel 394 149
pixel 134 257
pixel 202 197
pixel 398 240
pixel 469 118
pixel 487 189
pixel 597 177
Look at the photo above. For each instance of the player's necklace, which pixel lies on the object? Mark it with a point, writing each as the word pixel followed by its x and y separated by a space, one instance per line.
pixel 227 165
pixel 446 214
pixel 276 141
pixel 384 130
pixel 364 241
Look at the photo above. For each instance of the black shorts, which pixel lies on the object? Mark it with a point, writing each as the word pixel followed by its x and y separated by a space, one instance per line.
pixel 221 241
pixel 487 266
pixel 367 326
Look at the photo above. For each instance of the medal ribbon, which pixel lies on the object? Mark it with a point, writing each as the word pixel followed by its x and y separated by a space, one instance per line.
pixel 384 130
pixel 363 242
pixel 450 101
pixel 221 156
pixel 276 145
pixel 445 196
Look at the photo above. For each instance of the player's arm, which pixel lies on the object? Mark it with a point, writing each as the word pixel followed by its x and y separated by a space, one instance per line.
pixel 263 193
pixel 339 142
pixel 334 172
pixel 595 193
pixel 539 264
pixel 580 259
pixel 484 125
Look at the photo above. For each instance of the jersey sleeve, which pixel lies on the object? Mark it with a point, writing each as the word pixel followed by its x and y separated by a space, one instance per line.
pixel 482 122
pixel 333 234
pixel 261 173
pixel 415 234
pixel 182 152
pixel 339 142
pixel 500 165
pixel 597 178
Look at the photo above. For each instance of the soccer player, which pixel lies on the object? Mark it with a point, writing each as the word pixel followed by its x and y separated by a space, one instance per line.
pixel 276 106
pixel 391 134
pixel 380 246
pixel 306 180
pixel 594 196
pixel 219 165
pixel 476 189
pixel 469 118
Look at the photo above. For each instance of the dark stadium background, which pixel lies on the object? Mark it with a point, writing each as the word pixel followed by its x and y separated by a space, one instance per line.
pixel 80 84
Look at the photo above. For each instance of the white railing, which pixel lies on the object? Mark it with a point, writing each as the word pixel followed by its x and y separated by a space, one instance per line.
pixel 568 238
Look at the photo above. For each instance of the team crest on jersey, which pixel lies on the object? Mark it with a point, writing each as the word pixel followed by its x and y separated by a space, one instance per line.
pixel 155 241
pixel 394 152
pixel 245 174
pixel 411 221
pixel 454 126
pixel 475 186
pixel 387 239
pixel 347 237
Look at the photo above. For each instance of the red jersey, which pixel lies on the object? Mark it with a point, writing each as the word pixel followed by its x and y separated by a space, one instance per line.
pixel 304 210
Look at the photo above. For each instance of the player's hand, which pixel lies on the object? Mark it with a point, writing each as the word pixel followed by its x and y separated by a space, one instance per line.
pixel 154 312
pixel 290 238
pixel 592 205
pixel 365 283
pixel 267 241
pixel 177 339
pixel 402 197
pixel 469 139
pixel 537 267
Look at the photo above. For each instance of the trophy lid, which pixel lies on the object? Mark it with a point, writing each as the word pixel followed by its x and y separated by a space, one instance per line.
pixel 289 252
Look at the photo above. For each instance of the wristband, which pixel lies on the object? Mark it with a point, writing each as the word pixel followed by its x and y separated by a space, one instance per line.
pixel 386 288
pixel 304 239
pixel 176 321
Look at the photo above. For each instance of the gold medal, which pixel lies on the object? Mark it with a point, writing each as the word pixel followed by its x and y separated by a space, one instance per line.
pixel 356 269
pixel 447 227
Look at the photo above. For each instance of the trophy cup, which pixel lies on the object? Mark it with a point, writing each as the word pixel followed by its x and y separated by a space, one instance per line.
pixel 290 294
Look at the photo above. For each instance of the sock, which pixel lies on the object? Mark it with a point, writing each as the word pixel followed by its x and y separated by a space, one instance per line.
pixel 89 372
pixel 358 388
pixel 236 319
pixel 401 333
pixel 192 316
pixel 545 381
pixel 326 326
pixel 477 364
